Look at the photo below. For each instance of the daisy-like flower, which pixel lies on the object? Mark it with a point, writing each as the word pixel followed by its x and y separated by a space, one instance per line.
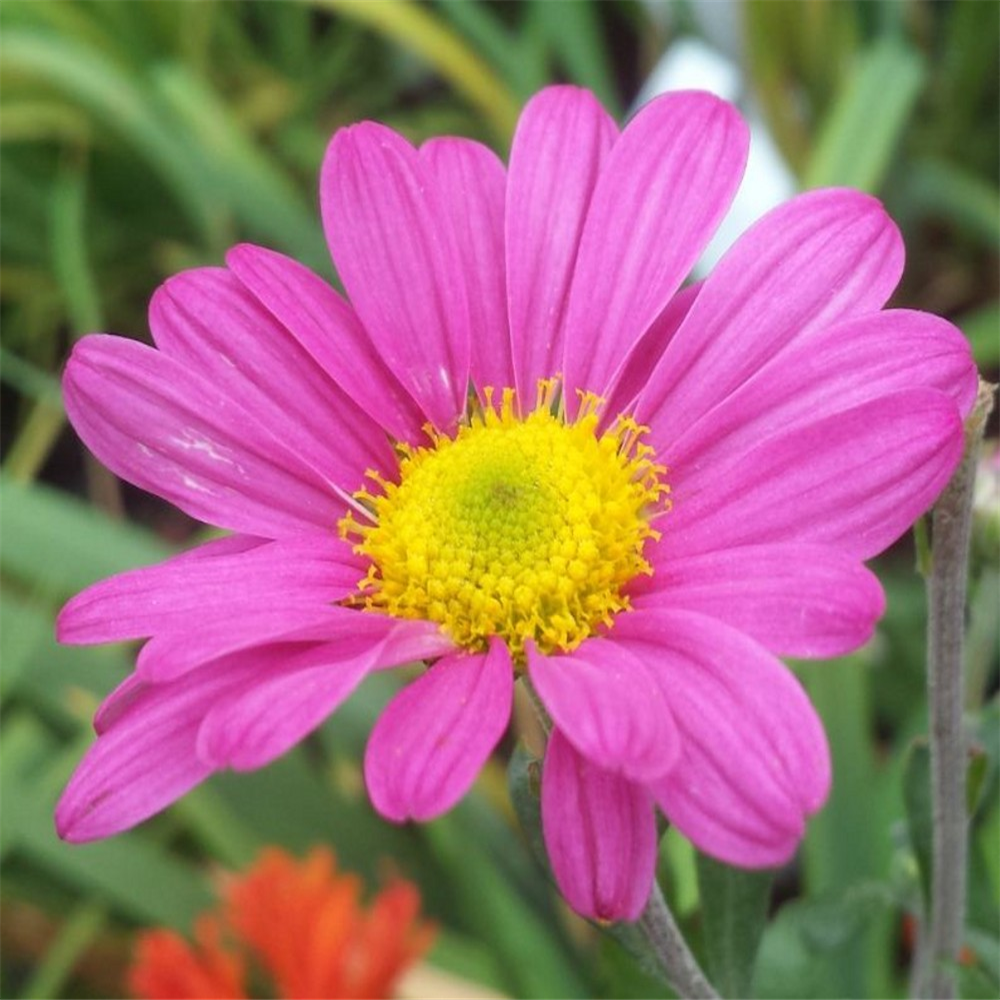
pixel 301 923
pixel 522 449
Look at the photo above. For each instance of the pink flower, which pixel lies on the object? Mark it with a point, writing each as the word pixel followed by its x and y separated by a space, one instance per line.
pixel 661 492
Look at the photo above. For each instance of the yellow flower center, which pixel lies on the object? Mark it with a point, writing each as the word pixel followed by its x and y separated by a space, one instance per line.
pixel 523 528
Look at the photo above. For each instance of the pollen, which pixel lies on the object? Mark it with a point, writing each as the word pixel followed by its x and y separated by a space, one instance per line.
pixel 526 528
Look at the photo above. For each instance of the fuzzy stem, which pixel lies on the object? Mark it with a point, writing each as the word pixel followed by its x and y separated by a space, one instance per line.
pixel 946 589
pixel 672 953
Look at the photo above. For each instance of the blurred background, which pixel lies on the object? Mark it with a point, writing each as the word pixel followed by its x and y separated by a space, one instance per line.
pixel 141 138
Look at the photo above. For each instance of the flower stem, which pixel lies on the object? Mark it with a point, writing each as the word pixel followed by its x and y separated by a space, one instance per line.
pixel 672 954
pixel 946 588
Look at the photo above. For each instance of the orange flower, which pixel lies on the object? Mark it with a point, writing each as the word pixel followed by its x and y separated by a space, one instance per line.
pixel 300 922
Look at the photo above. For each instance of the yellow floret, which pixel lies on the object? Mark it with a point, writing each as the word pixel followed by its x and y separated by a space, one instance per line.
pixel 520 527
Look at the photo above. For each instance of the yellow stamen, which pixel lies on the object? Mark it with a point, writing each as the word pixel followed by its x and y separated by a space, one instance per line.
pixel 521 527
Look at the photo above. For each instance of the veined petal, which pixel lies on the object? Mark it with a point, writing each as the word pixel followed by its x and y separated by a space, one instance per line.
pixel 754 759
pixel 662 191
pixel 253 726
pixel 824 256
pixel 794 599
pixel 849 363
pixel 208 321
pixel 473 183
pixel 143 761
pixel 600 833
pixel 172 653
pixel 856 480
pixel 562 139
pixel 433 738
pixel 113 707
pixel 630 379
pixel 214 582
pixel 169 430
pixel 609 706
pixel 327 327
pixel 400 266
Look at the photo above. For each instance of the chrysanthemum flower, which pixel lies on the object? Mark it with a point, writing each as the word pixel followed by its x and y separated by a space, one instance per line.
pixel 301 923
pixel 522 449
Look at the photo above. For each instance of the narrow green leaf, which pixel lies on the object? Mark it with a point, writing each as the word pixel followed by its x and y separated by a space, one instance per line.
pixel 946 190
pixel 82 927
pixel 533 962
pixel 520 66
pixel 121 104
pixel 734 905
pixel 982 327
pixel 40 120
pixel 847 843
pixel 418 29
pixel 22 631
pixel 859 137
pixel 70 262
pixel 917 799
pixel 55 541
pixel 573 31
pixel 259 192
pixel 524 780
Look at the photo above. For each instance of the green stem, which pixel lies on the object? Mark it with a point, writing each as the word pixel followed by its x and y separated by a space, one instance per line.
pixel 673 956
pixel 950 529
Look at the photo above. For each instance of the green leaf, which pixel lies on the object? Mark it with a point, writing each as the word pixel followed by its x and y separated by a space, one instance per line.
pixel 259 192
pixel 121 104
pixel 859 137
pixel 573 31
pixel 532 959
pixel 847 843
pixel 982 327
pixel 734 905
pixel 58 543
pixel 948 191
pixel 811 937
pixel 524 780
pixel 917 799
pixel 83 926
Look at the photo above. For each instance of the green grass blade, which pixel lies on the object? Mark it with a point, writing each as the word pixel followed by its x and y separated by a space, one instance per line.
pixel 60 544
pixel 119 104
pixel 422 32
pixel 859 138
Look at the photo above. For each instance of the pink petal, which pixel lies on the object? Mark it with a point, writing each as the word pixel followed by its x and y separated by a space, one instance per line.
pixel 754 759
pixel 327 327
pixel 473 183
pixel 562 139
pixel 842 366
pixel 608 705
pixel 239 589
pixel 663 190
pixel 600 833
pixel 170 431
pixel 399 265
pixel 633 374
pixel 795 600
pixel 209 322
pixel 820 257
pixel 144 759
pixel 433 738
pixel 170 654
pixel 856 480
pixel 114 706
pixel 253 726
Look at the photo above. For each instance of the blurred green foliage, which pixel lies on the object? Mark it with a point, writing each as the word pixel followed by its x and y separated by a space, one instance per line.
pixel 142 138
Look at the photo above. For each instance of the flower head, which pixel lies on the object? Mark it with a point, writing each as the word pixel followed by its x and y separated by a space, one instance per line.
pixel 299 922
pixel 522 447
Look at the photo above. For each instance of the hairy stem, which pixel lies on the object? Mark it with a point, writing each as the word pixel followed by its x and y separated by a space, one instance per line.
pixel 946 589
pixel 673 956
